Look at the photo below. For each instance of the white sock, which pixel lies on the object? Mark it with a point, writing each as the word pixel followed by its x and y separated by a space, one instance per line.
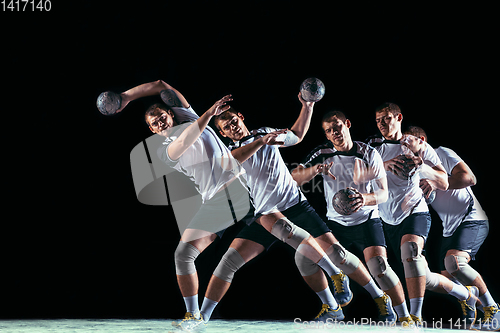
pixel 328 266
pixel 486 299
pixel 459 292
pixel 401 310
pixel 192 304
pixel 207 308
pixel 373 289
pixel 326 297
pixel 416 306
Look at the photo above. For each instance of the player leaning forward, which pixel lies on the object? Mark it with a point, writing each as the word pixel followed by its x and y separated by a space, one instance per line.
pixel 405 215
pixel 465 227
pixel 358 166
pixel 193 148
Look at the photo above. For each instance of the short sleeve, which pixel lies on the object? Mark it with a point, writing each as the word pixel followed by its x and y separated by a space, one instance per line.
pixel 183 114
pixel 449 158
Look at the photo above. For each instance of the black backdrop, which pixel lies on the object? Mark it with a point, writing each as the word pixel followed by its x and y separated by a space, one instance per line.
pixel 77 243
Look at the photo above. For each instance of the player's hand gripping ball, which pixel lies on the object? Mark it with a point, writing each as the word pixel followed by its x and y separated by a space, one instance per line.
pixel 109 102
pixel 312 90
pixel 408 169
pixel 342 202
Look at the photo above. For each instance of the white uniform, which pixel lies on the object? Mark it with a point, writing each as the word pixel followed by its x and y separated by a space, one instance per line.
pixel 457 205
pixel 271 185
pixel 207 162
pixel 405 195
pixel 344 169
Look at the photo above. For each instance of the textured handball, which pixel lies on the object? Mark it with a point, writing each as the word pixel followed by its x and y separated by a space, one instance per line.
pixel 109 102
pixel 312 89
pixel 342 202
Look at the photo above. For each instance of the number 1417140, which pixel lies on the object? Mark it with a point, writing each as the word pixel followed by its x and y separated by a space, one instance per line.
pixel 26 5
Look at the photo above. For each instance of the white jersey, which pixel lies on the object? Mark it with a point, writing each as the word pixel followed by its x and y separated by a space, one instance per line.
pixel 345 168
pixel 457 205
pixel 405 195
pixel 271 185
pixel 207 162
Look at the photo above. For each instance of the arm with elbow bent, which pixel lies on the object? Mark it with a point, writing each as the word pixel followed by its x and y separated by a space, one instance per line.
pixel 171 96
pixel 301 125
pixel 437 179
pixel 244 153
pixel 303 175
pixel 461 177
pixel 193 131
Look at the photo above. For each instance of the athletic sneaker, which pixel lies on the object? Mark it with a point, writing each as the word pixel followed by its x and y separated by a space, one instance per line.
pixel 469 312
pixel 386 312
pixel 417 321
pixel 491 321
pixel 191 323
pixel 327 312
pixel 342 292
pixel 407 322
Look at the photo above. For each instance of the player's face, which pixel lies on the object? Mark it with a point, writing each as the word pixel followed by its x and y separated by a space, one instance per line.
pixel 233 128
pixel 388 124
pixel 337 132
pixel 160 122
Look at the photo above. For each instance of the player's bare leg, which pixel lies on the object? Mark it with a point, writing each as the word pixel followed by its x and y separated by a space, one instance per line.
pixel 248 250
pixel 240 252
pixel 415 267
pixel 308 250
pixel 457 266
pixel 192 243
pixel 466 296
pixel 376 258
pixel 355 269
pixel 311 249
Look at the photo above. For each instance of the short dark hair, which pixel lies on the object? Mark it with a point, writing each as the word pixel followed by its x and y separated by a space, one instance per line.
pixel 327 117
pixel 416 131
pixel 391 107
pixel 154 109
pixel 226 115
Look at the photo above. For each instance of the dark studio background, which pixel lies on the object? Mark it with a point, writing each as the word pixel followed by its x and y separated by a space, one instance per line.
pixel 75 242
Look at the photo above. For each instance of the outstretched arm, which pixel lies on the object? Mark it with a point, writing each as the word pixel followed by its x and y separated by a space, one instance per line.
pixel 303 175
pixel 193 131
pixel 244 153
pixel 170 95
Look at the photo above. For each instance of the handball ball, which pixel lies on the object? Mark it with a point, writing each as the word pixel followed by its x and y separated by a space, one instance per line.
pixel 312 89
pixel 431 197
pixel 109 102
pixel 342 202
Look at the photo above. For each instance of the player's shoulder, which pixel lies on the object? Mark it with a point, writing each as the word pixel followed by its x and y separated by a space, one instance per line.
pixel 363 146
pixel 374 140
pixel 253 134
pixel 322 149
pixel 263 130
pixel 445 150
pixel 365 149
pixel 446 153
pixel 325 147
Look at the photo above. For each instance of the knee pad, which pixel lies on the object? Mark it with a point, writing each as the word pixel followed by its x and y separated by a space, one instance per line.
pixel 431 280
pixel 305 265
pixel 458 267
pixel 382 272
pixel 231 261
pixel 289 233
pixel 414 262
pixel 342 258
pixel 184 256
